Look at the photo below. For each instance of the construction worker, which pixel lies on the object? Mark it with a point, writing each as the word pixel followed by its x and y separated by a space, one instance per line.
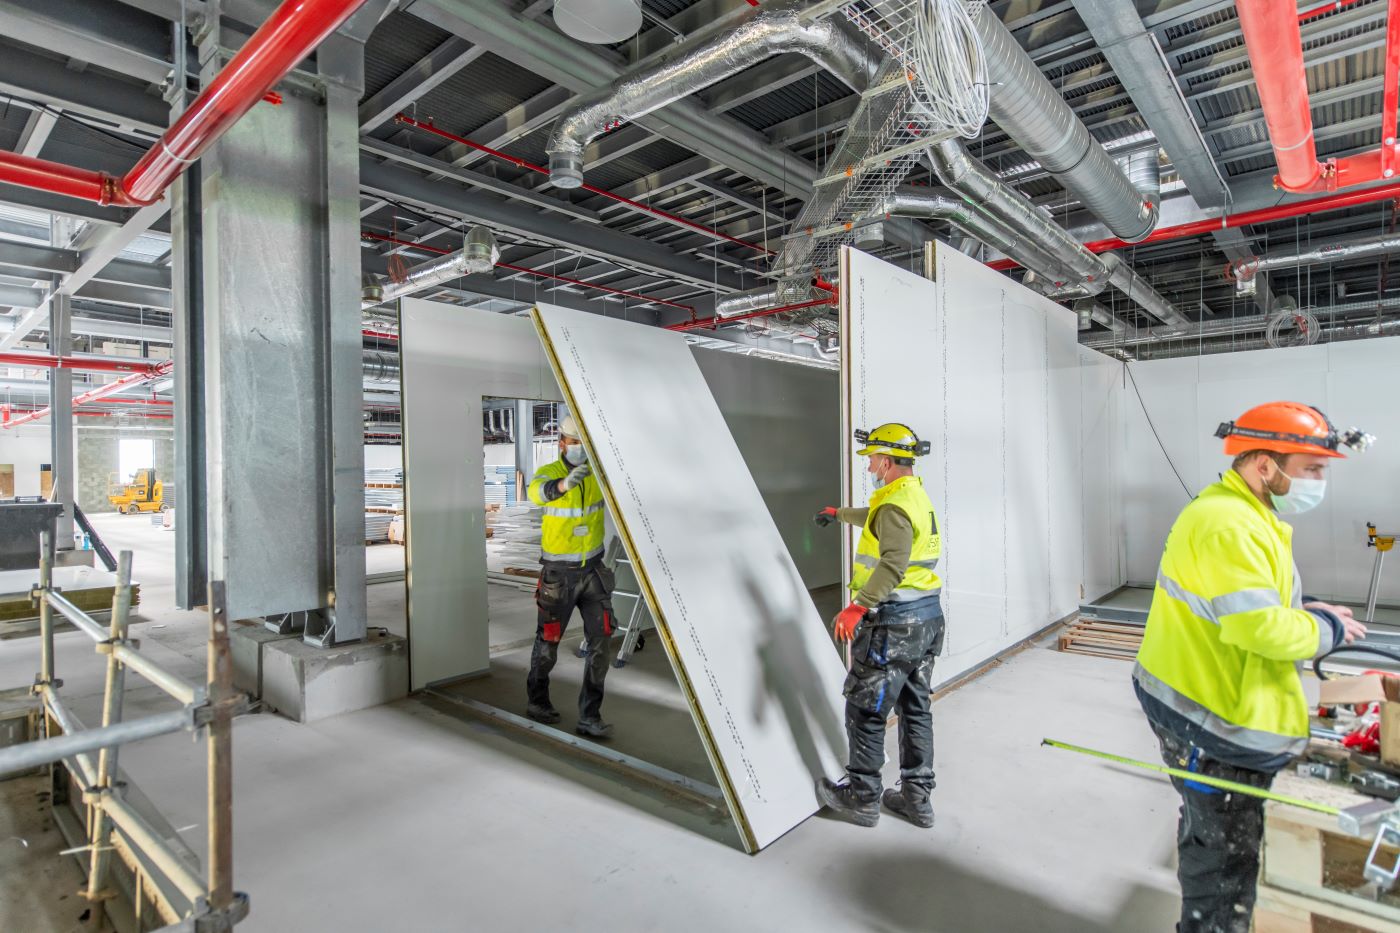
pixel 572 576
pixel 894 627
pixel 1217 674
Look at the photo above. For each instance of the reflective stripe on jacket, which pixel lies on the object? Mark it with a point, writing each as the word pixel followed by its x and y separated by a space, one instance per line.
pixel 906 494
pixel 1227 633
pixel 572 527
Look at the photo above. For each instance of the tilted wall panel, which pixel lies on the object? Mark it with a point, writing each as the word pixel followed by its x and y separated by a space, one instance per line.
pixel 754 659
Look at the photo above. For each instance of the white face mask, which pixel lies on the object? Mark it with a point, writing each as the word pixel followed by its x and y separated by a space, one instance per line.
pixel 877 480
pixel 1303 495
pixel 574 454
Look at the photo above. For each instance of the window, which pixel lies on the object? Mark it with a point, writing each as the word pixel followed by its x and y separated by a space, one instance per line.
pixel 135 454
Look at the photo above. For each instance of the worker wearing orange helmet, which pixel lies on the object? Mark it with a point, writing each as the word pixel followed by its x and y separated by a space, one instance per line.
pixel 1217 674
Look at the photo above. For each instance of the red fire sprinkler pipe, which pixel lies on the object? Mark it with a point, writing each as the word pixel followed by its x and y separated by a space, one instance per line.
pixel 100 392
pixel 1275 48
pixel 91 364
pixel 291 33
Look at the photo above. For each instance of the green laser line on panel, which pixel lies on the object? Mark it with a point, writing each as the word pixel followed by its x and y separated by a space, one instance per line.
pixel 1232 786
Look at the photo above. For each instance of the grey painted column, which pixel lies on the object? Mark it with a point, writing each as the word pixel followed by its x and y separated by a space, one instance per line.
pixel 283 354
pixel 61 415
pixel 187 313
pixel 524 441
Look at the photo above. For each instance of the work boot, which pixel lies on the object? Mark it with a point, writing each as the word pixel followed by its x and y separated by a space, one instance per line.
pixel 844 804
pixel 594 728
pixel 912 806
pixel 542 713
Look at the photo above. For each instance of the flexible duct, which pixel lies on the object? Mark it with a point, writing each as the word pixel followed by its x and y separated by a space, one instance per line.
pixel 479 253
pixel 744 302
pixel 1032 112
pixel 381 367
pixel 763 34
pixel 1338 251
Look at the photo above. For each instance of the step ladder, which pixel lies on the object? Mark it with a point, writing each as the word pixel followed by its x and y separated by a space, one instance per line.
pixel 634 616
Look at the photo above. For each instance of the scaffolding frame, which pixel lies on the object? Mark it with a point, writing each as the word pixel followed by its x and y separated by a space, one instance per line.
pixel 185 900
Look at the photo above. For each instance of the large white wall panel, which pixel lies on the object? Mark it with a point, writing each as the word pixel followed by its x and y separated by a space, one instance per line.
pixel 992 375
pixel 450 358
pixel 1187 397
pixel 753 657
pixel 1101 472
pixel 784 418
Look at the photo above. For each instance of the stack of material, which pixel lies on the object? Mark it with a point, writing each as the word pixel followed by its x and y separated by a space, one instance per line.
pixel 383 502
pixel 500 485
pixel 514 533
pixel 88 588
pixel 1102 639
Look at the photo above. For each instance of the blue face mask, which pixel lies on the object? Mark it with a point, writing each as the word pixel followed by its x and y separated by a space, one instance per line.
pixel 574 454
pixel 1303 495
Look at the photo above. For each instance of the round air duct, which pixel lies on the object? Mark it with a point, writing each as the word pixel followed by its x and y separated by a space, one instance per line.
pixel 598 21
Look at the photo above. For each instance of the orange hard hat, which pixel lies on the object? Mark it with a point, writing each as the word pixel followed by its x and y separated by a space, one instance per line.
pixel 1289 428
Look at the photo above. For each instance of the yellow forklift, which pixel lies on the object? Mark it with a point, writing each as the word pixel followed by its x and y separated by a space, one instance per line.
pixel 143 494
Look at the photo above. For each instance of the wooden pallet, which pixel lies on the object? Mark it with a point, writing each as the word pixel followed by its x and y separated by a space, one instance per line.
pixel 1102 639
pixel 1312 879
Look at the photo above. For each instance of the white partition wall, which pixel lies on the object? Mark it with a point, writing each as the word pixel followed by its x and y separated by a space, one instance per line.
pixel 993 376
pixel 1187 397
pixel 782 416
pixel 753 658
pixel 450 357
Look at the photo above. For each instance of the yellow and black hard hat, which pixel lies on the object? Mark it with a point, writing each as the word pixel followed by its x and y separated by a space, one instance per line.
pixel 892 440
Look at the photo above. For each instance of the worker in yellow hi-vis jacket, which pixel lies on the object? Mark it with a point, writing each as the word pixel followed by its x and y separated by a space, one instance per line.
pixel 895 626
pixel 1217 673
pixel 572 576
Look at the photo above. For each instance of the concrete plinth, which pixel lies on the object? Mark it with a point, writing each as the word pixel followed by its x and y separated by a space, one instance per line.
pixel 306 683
pixel 246 643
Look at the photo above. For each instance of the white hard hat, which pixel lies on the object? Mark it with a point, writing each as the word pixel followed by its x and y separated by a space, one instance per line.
pixel 569 427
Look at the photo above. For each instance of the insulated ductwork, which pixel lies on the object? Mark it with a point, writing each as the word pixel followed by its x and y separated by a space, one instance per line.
pixel 1032 112
pixel 1122 277
pixel 1243 271
pixel 1090 310
pixel 957 169
pixel 1334 316
pixel 915 202
pixel 478 254
pixel 744 302
pixel 1386 328
pixel 696 65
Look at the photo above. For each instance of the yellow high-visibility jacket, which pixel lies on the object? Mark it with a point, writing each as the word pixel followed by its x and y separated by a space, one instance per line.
pixel 919 581
pixel 1227 633
pixel 572 528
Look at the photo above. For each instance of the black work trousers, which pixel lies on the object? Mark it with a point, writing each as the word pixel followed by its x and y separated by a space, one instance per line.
pixel 562 589
pixel 891 663
pixel 1218 840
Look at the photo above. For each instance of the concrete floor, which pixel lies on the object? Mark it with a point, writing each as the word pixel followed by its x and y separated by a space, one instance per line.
pixel 410 817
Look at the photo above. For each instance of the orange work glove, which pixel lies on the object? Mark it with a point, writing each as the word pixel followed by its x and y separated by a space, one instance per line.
pixel 846 621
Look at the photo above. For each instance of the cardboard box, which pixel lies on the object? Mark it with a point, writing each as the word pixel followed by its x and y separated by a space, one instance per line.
pixel 1390 722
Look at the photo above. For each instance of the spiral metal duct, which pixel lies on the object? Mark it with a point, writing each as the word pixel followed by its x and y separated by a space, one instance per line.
pixel 478 254
pixel 1032 112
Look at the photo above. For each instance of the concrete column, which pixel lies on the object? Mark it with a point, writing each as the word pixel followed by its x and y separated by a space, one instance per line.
pixel 283 353
pixel 61 415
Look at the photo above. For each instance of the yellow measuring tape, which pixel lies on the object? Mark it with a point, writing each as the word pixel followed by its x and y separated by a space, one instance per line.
pixel 1232 786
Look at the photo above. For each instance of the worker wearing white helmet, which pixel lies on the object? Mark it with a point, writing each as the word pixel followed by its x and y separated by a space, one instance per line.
pixel 895 628
pixel 572 576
